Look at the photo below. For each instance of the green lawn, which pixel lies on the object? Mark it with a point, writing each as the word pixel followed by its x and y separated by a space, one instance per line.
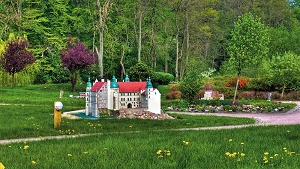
pixel 134 143
pixel 253 147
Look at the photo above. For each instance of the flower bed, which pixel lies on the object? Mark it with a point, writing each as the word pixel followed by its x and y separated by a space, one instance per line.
pixel 255 107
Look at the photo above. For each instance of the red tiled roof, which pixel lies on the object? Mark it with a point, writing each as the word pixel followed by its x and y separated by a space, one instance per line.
pixel 97 86
pixel 131 86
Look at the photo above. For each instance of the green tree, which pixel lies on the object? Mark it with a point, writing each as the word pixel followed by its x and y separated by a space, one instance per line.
pixel 248 44
pixel 140 71
pixel 192 81
pixel 285 70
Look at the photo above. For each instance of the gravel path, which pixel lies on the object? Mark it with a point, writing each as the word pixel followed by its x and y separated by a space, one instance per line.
pixel 289 118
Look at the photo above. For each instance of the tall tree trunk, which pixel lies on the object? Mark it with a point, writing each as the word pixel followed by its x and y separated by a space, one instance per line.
pixel 177 58
pixel 282 91
pixel 74 80
pixel 13 80
pixel 177 48
pixel 140 13
pixel 187 30
pixel 236 87
pixel 122 62
pixel 166 65
pixel 153 44
pixel 102 14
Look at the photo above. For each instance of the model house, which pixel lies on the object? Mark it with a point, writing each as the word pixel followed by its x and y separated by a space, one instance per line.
pixel 210 94
pixel 113 96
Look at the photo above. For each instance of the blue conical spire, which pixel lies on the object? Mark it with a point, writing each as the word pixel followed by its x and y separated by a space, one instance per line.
pixel 114 83
pixel 127 78
pixel 89 84
pixel 149 84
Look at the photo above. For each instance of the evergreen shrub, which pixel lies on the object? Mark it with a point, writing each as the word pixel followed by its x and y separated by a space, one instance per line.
pixel 161 78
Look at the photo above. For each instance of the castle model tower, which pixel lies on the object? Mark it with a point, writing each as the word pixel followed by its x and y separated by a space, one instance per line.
pixel 88 97
pixel 113 94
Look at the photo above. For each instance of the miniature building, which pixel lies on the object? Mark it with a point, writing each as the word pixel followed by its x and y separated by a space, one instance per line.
pixel 113 95
pixel 210 94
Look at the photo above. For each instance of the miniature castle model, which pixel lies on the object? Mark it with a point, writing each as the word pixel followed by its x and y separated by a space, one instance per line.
pixel 112 95
pixel 210 94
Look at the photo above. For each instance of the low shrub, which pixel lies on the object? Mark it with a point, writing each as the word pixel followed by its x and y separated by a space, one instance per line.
pixel 232 82
pixel 293 95
pixel 174 95
pixel 162 78
pixel 261 95
pixel 175 92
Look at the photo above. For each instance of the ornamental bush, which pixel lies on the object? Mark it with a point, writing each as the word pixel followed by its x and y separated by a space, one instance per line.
pixel 161 78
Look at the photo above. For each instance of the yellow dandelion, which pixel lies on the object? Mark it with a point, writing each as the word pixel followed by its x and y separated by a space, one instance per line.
pixel 33 162
pixel 130 126
pixel 242 154
pixel 26 147
pixel 242 143
pixel 230 140
pixel 232 155
pixel 271 157
pixel 266 153
pixel 85 152
pixel 288 131
pixel 1 166
pixel 169 154
pixel 9 146
pixel 227 153
pixel 69 155
pixel 158 152
pixel 275 155
pixel 266 161
pixel 284 148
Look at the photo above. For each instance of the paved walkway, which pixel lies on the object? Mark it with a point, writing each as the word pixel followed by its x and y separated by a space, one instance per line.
pixel 288 118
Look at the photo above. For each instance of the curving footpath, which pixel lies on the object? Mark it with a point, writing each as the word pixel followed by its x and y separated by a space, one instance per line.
pixel 289 118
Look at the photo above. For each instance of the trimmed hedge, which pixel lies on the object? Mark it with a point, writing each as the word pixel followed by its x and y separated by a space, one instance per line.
pixel 161 78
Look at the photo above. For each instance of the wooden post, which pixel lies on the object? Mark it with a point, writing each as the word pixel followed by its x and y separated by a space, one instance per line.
pixel 57 114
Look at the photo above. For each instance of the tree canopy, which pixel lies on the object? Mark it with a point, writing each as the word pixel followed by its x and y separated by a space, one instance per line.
pixel 16 57
pixel 248 44
pixel 165 35
pixel 75 57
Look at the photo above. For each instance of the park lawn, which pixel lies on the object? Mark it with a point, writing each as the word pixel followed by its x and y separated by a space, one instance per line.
pixel 28 112
pixel 252 147
pixel 134 143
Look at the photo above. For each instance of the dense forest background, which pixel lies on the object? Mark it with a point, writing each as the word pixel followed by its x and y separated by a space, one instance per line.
pixel 172 36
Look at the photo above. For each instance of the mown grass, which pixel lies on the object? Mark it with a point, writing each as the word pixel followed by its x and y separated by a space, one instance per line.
pixel 28 112
pixel 254 147
pixel 134 143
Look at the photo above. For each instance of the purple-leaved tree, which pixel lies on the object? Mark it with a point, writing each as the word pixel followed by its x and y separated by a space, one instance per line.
pixel 16 57
pixel 76 56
